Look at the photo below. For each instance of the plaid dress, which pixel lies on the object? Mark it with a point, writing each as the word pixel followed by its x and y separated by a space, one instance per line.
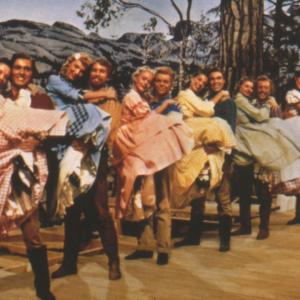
pixel 17 123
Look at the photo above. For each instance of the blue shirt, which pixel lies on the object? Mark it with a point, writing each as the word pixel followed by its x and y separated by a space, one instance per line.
pixel 170 108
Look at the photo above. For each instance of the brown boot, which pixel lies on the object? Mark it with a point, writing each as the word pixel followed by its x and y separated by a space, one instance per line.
pixel 114 271
pixel 195 225
pixel 296 219
pixel 264 210
pixel 225 225
pixel 263 234
pixel 39 263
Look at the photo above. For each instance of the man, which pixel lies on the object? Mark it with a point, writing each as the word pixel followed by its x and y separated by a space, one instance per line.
pixel 147 243
pixel 22 90
pixel 220 105
pixel 94 204
pixel 162 101
pixel 22 70
pixel 226 109
pixel 4 74
pixel 264 89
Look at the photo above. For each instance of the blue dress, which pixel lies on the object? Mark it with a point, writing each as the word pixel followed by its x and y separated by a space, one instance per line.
pixel 86 121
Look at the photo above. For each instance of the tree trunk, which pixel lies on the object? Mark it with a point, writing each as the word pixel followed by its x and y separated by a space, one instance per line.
pixel 277 35
pixel 241 39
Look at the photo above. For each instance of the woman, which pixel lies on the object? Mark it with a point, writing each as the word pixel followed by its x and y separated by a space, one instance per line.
pixel 79 166
pixel 146 144
pixel 293 108
pixel 23 178
pixel 204 169
pixel 271 144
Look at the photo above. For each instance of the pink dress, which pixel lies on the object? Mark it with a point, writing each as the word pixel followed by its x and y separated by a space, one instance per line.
pixel 146 142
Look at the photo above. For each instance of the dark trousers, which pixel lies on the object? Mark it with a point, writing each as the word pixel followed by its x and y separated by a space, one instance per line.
pixel 245 186
pixel 227 111
pixel 94 206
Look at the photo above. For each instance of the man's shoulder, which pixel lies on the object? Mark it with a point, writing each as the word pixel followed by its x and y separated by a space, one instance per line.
pixel 39 98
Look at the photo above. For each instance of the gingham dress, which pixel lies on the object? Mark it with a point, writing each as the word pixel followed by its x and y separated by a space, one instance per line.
pixel 17 123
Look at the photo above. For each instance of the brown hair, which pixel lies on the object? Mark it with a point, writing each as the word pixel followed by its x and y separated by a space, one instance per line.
pixel 25 56
pixel 103 62
pixel 265 78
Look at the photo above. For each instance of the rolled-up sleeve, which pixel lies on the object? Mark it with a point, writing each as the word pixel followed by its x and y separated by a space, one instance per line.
pixel 57 85
pixel 258 114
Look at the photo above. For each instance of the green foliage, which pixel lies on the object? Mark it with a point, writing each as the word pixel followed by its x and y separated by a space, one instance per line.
pixel 150 25
pixel 282 42
pixel 100 13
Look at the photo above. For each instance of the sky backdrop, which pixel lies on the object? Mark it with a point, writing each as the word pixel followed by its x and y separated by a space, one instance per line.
pixel 50 11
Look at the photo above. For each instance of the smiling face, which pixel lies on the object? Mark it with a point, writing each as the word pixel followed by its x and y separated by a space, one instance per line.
pixel 75 70
pixel 21 73
pixel 263 89
pixel 198 83
pixel 99 76
pixel 4 75
pixel 216 81
pixel 142 81
pixel 162 84
pixel 246 88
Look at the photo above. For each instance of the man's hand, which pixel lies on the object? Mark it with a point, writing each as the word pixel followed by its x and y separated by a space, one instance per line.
pixel 110 93
pixel 273 104
pixel 170 102
pixel 225 95
pixel 221 97
pixel 29 144
pixel 102 94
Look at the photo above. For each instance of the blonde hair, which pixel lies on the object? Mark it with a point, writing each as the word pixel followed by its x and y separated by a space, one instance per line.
pixel 85 59
pixel 140 70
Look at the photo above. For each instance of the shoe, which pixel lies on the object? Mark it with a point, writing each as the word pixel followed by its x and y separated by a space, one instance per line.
pixel 48 296
pixel 139 254
pixel 114 271
pixel 162 259
pixel 293 221
pixel 263 234
pixel 224 247
pixel 63 271
pixel 187 242
pixel 241 231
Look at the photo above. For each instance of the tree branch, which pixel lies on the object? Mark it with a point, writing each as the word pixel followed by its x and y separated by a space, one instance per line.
pixel 188 11
pixel 177 9
pixel 142 7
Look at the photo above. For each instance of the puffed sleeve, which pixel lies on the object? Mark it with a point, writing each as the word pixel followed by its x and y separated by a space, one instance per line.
pixel 134 104
pixel 191 105
pixel 258 114
pixel 59 86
